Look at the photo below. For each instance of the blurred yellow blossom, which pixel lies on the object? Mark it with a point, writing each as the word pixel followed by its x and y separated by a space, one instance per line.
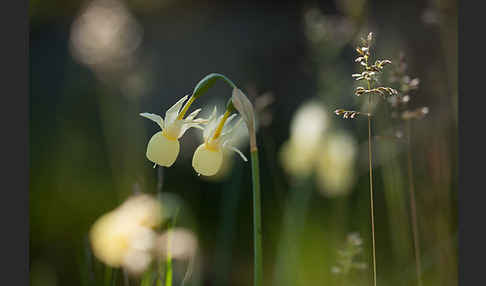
pixel 124 236
pixel 313 148
pixel 298 155
pixel 183 244
pixel 335 168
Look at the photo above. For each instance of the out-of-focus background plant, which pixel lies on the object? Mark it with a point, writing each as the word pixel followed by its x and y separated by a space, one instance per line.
pixel 95 65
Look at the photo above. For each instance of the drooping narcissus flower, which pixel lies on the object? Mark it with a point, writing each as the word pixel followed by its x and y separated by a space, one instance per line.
pixel 163 147
pixel 217 135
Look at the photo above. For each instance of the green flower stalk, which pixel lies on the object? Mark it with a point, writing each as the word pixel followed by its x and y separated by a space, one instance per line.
pixel 215 138
pixel 245 108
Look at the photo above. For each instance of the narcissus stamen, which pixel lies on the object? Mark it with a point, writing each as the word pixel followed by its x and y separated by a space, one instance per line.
pixel 221 124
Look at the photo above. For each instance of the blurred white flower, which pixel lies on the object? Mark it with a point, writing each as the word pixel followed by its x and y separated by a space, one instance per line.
pixel 182 244
pixel 143 210
pixel 124 236
pixel 299 153
pixel 308 125
pixel 335 169
pixel 314 149
pixel 296 160
pixel 105 33
pixel 163 147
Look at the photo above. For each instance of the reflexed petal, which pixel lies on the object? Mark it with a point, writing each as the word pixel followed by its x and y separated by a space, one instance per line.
pixel 197 121
pixel 207 162
pixel 230 130
pixel 162 150
pixel 227 123
pixel 154 117
pixel 237 151
pixel 172 113
pixel 193 114
pixel 212 123
pixel 187 126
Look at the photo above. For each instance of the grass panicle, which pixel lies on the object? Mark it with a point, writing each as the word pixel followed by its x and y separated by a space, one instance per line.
pixel 369 73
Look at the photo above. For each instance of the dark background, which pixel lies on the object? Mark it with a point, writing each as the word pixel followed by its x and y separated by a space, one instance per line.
pixel 87 142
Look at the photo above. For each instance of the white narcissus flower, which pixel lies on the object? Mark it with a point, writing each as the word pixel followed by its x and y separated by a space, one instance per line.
pixel 163 147
pixel 217 134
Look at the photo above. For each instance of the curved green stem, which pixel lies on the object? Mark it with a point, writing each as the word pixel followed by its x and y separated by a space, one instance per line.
pixel 208 81
pixel 204 85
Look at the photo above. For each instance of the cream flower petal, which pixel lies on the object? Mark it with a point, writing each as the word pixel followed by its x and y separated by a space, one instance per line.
pixel 230 130
pixel 237 151
pixel 193 114
pixel 186 126
pixel 211 126
pixel 172 113
pixel 154 117
pixel 227 123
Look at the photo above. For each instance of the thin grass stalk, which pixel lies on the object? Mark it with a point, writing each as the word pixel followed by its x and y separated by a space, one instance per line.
pixel 168 272
pixel 168 262
pixel 160 273
pixel 371 202
pixel 257 223
pixel 371 196
pixel 147 278
pixel 413 211
pixel 108 275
